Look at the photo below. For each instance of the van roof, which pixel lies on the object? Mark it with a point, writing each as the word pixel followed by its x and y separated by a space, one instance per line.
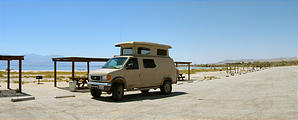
pixel 142 43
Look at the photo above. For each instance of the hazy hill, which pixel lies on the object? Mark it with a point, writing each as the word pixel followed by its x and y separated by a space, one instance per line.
pixel 34 59
pixel 260 60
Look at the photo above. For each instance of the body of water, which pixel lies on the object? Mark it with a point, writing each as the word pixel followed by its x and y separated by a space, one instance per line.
pixel 51 67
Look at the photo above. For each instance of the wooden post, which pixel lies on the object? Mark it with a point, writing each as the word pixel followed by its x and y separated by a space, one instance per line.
pixel 88 69
pixel 55 73
pixel 189 71
pixel 176 65
pixel 73 70
pixel 236 68
pixel 227 68
pixel 20 75
pixel 230 68
pixel 239 68
pixel 8 74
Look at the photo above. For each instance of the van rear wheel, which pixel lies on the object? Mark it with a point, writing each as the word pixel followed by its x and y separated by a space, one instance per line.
pixel 95 92
pixel 145 91
pixel 118 92
pixel 166 88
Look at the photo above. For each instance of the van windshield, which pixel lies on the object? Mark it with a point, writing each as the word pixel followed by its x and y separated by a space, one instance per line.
pixel 115 63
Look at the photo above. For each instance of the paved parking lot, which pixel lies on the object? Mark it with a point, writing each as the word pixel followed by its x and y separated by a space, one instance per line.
pixel 268 94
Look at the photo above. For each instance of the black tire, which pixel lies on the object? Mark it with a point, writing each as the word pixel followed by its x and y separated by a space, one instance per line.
pixel 145 91
pixel 95 92
pixel 166 88
pixel 118 92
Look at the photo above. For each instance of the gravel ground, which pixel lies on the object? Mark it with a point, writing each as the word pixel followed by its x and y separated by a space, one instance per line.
pixel 267 94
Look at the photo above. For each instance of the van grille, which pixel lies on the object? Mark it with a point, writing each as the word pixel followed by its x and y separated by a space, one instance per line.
pixel 96 77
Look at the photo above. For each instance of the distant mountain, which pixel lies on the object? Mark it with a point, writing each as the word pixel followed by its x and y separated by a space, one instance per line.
pixel 34 59
pixel 260 60
pixel 235 61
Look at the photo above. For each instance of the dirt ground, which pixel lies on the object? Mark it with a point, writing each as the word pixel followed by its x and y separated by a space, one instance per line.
pixel 267 94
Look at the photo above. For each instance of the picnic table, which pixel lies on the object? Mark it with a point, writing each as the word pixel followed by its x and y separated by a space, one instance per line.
pixel 181 77
pixel 80 80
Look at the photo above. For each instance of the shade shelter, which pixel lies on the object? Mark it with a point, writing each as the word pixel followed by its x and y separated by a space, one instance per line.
pixel 188 67
pixel 9 58
pixel 230 66
pixel 73 60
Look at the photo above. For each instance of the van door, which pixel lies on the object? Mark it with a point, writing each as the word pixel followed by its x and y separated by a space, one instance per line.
pixel 132 73
pixel 149 72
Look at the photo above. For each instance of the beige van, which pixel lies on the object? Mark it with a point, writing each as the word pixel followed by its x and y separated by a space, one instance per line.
pixel 140 66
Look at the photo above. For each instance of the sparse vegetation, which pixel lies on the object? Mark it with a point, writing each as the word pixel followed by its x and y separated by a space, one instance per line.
pixel 1 75
pixel 45 74
pixel 253 64
pixel 249 64
pixel 23 82
pixel 193 71
pixel 61 76
pixel 210 77
pixel 18 91
pixel 46 80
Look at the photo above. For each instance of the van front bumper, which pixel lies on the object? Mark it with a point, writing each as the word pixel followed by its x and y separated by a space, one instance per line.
pixel 100 86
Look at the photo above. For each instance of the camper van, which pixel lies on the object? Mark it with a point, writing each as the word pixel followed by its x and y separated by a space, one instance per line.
pixel 140 66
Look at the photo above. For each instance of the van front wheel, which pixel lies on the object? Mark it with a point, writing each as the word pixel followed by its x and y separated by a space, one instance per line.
pixel 118 92
pixel 166 88
pixel 95 92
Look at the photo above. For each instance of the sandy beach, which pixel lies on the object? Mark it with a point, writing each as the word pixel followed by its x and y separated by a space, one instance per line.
pixel 267 94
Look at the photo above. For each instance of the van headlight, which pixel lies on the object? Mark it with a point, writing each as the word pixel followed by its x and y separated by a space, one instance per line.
pixel 106 77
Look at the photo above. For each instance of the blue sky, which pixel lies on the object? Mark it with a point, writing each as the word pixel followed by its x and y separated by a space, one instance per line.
pixel 200 31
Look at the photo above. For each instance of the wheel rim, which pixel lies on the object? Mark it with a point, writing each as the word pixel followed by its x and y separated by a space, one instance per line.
pixel 120 91
pixel 167 87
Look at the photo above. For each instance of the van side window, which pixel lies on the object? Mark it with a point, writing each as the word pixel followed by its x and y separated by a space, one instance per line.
pixel 126 51
pixel 149 63
pixel 132 64
pixel 143 51
pixel 162 52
